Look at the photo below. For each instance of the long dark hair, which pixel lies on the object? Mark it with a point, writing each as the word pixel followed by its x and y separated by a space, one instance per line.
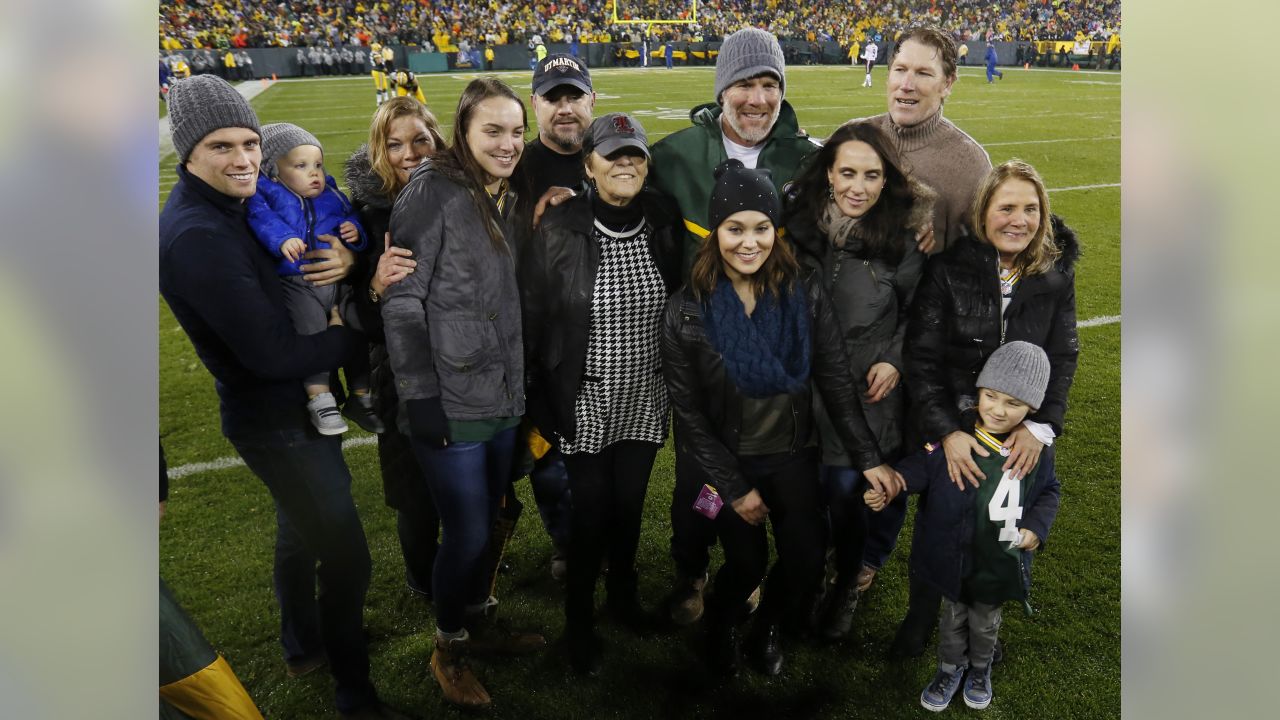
pixel 458 162
pixel 882 227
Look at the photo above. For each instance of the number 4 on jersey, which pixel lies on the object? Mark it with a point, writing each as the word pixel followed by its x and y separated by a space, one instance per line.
pixel 1006 507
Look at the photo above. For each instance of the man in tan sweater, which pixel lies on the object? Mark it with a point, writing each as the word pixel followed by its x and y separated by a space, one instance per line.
pixel 922 71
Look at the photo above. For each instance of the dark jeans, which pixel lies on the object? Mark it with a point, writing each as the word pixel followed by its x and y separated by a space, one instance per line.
pixel 550 483
pixel 417 523
pixel 883 529
pixel 692 534
pixel 467 482
pixel 842 489
pixel 788 484
pixel 608 501
pixel 319 538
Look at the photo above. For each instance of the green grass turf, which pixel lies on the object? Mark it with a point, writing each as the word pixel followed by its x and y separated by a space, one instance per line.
pixel 217 538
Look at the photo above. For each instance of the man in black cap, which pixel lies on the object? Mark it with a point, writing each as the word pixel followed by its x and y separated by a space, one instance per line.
pixel 563 102
pixel 225 294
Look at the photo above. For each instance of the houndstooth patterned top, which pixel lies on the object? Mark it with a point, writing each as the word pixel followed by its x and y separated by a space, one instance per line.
pixel 622 395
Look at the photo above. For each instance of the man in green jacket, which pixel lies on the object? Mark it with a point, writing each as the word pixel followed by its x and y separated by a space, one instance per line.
pixel 751 121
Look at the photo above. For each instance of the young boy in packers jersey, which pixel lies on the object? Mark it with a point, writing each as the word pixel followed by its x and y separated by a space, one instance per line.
pixel 974 544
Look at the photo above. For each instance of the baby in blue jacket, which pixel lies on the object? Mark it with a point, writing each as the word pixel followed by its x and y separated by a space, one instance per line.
pixel 298 208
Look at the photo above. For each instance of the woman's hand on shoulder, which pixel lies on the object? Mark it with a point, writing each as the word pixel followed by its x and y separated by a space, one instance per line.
pixel 394 265
pixel 1024 451
pixel 959 447
pixel 552 197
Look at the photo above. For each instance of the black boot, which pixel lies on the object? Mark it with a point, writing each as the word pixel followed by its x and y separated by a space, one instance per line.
pixel 630 614
pixel 584 649
pixel 723 653
pixel 913 634
pixel 837 618
pixel 766 647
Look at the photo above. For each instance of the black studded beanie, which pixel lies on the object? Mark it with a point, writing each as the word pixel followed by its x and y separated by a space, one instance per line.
pixel 278 139
pixel 202 104
pixel 739 188
pixel 748 53
pixel 1018 369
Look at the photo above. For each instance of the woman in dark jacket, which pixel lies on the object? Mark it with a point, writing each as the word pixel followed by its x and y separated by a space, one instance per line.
pixel 741 345
pixel 1014 279
pixel 454 340
pixel 402 135
pixel 594 282
pixel 851 215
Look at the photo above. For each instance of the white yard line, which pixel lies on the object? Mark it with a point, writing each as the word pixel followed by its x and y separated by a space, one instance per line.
pixel 1085 187
pixel 1058 140
pixel 233 461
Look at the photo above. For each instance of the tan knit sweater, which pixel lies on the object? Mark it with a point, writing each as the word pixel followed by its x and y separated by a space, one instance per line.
pixel 945 158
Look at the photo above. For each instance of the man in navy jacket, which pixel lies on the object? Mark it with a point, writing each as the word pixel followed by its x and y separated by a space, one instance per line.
pixel 223 289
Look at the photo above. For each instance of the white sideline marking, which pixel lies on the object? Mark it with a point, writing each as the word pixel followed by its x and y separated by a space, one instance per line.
pixel 233 461
pixel 1042 142
pixel 1084 187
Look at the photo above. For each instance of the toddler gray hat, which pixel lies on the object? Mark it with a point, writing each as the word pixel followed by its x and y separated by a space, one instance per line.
pixel 202 104
pixel 747 53
pixel 1018 369
pixel 278 139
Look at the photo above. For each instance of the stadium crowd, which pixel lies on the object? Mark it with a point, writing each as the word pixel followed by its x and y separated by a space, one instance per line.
pixel 446 24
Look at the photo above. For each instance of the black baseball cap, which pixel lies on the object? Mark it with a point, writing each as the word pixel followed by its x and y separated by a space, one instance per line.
pixel 610 133
pixel 560 69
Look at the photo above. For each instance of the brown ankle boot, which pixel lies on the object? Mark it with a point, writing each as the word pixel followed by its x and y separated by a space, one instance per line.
pixel 453 672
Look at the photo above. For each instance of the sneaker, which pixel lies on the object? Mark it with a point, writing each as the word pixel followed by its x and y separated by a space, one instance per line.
pixel 686 602
pixel 937 695
pixel 977 688
pixel 325 415
pixel 359 409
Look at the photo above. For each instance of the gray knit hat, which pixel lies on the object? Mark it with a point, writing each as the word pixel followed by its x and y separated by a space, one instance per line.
pixel 1019 369
pixel 202 104
pixel 278 139
pixel 747 53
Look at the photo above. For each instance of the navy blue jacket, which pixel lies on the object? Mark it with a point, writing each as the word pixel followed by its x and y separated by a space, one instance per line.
pixel 223 289
pixel 276 214
pixel 942 545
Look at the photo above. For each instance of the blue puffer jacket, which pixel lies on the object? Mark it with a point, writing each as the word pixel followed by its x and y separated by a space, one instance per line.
pixel 276 214
pixel 942 545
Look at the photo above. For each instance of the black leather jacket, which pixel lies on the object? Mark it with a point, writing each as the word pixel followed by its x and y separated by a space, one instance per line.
pixel 955 326
pixel 708 408
pixel 558 267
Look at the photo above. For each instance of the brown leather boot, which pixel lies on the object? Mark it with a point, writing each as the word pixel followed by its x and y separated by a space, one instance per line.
pixel 453 672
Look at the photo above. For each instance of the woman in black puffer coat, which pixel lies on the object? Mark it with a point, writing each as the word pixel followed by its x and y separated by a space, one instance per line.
pixel 403 134
pixel 1014 279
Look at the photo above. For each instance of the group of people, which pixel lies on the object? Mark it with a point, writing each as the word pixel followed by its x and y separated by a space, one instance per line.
pixel 828 326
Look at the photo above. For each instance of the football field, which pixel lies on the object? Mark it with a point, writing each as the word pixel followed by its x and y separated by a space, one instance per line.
pixel 1064 661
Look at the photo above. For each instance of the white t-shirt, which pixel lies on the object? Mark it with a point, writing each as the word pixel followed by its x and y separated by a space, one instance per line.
pixel 748 155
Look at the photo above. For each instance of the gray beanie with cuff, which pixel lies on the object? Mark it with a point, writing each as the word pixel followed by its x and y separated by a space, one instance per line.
pixel 1019 369
pixel 203 104
pixel 278 139
pixel 748 53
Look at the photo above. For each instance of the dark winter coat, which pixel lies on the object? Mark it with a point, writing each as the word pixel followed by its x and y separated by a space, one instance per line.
pixel 872 300
pixel 942 543
pixel 557 284
pixel 453 325
pixel 955 326
pixel 708 407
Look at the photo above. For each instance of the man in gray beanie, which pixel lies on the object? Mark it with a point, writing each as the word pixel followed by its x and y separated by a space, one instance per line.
pixel 223 290
pixel 750 121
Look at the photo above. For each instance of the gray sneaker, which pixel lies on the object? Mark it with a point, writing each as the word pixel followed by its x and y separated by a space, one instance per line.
pixel 977 688
pixel 325 414
pixel 937 695
pixel 359 409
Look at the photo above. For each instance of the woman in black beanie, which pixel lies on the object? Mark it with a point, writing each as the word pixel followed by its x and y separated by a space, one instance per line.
pixel 593 284
pixel 741 345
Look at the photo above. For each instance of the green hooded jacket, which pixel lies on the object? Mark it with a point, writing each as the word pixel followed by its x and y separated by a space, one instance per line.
pixel 684 160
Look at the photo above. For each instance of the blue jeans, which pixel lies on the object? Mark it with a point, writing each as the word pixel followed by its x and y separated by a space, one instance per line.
pixel 842 489
pixel 467 482
pixel 318 538
pixel 550 483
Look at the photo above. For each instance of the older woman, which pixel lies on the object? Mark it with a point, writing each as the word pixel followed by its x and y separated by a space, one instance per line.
pixel 593 284
pixel 1013 279
pixel 402 135
pixel 454 339
pixel 851 215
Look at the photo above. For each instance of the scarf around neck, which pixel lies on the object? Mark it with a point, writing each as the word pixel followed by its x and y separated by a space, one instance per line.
pixel 841 230
pixel 766 353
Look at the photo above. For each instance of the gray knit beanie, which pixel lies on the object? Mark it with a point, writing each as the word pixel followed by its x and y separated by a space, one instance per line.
pixel 202 104
pixel 278 139
pixel 1018 369
pixel 747 53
